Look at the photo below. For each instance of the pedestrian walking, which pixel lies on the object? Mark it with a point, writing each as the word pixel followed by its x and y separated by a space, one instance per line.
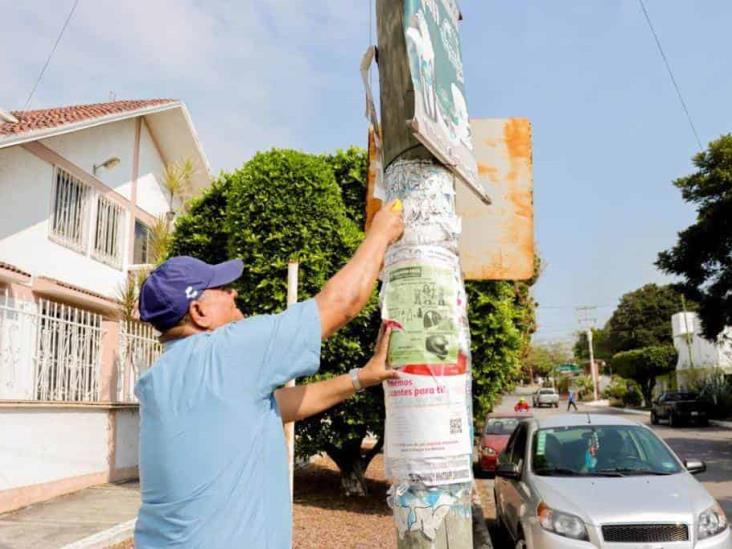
pixel 213 461
pixel 571 400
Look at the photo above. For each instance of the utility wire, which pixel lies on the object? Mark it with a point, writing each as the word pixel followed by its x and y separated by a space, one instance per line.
pixel 50 55
pixel 671 74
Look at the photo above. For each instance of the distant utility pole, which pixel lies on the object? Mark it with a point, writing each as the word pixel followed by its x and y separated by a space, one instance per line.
pixel 587 317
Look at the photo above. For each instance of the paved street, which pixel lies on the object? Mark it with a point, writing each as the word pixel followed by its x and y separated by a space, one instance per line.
pixel 711 444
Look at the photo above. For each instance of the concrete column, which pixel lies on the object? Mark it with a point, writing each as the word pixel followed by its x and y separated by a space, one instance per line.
pixel 110 361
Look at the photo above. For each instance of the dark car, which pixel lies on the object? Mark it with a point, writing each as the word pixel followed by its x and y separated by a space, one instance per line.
pixel 497 431
pixel 679 407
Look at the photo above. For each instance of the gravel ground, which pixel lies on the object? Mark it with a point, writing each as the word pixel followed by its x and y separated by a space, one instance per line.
pixel 324 519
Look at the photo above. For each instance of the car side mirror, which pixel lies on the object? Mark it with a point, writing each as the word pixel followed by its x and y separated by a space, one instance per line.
pixel 510 471
pixel 695 466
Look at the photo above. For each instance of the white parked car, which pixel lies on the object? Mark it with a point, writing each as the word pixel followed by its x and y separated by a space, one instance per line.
pixel 598 481
pixel 545 397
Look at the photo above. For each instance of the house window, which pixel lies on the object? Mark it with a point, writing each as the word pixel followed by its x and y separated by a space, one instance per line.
pixel 108 233
pixel 70 208
pixel 142 253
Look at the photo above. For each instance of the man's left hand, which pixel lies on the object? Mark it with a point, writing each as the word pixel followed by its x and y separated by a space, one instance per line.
pixel 376 369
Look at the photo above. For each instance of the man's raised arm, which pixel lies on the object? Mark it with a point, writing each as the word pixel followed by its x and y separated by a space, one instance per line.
pixel 346 293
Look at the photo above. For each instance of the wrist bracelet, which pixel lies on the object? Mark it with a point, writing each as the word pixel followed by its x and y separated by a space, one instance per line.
pixel 354 379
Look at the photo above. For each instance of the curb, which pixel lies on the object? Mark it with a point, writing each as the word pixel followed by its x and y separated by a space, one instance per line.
pixel 715 422
pixel 111 536
pixel 481 536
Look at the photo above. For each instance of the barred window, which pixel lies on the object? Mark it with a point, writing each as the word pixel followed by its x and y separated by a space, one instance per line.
pixel 108 234
pixel 142 252
pixel 70 209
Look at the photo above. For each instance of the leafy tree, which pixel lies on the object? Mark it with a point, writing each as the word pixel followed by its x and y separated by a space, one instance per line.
pixel 644 365
pixel 201 232
pixel 600 345
pixel 542 359
pixel 702 255
pixel 501 318
pixel 643 318
pixel 350 168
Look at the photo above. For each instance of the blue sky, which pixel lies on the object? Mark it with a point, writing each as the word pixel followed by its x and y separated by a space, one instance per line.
pixel 609 134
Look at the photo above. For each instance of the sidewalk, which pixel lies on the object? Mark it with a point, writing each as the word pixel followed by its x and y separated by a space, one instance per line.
pixel 98 516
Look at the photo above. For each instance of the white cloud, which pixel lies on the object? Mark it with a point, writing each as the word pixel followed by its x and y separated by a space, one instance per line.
pixel 255 73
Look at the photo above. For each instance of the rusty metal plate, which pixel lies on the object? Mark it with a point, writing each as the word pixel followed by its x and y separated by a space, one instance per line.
pixel 497 241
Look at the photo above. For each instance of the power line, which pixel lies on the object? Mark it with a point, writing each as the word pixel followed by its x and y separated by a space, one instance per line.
pixel 671 74
pixel 50 55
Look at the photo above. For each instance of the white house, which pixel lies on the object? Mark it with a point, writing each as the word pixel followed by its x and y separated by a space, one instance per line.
pixel 79 188
pixel 696 352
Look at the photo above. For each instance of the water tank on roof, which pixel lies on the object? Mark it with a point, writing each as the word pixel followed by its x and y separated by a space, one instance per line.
pixel 684 324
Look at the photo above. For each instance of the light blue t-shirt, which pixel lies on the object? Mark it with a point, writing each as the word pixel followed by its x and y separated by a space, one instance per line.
pixel 213 462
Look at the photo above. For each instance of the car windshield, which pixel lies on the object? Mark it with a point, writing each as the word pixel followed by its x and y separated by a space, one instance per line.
pixel 501 426
pixel 546 392
pixel 600 450
pixel 680 396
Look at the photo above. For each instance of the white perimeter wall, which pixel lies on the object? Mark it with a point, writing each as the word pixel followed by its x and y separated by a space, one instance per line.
pixel 126 438
pixel 47 444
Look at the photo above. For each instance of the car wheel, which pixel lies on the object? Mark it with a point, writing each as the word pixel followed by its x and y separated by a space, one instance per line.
pixel 556 405
pixel 672 420
pixel 654 418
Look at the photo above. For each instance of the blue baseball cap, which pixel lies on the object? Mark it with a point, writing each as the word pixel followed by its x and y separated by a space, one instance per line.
pixel 169 289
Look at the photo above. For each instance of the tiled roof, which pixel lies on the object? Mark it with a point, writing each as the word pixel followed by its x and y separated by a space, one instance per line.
pixel 42 119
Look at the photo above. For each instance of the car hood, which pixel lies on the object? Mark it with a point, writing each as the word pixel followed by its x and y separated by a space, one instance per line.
pixel 638 499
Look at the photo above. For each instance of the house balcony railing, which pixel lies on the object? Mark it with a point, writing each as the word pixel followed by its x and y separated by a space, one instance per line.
pixel 53 352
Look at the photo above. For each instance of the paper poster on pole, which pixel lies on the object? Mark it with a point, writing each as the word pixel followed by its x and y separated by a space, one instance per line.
pixel 421 300
pixel 426 428
pixel 440 110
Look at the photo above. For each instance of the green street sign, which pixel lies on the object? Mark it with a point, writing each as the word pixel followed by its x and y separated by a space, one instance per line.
pixel 568 369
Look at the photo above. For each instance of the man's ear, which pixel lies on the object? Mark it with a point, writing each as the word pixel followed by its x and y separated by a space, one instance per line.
pixel 197 314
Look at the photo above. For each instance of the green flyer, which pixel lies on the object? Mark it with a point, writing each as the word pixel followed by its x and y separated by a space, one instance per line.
pixel 422 299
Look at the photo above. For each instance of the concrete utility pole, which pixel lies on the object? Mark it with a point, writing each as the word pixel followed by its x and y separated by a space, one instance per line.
pixel 292 272
pixel 427 514
pixel 587 319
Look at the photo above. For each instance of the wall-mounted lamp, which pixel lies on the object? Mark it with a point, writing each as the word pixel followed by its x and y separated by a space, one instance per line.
pixel 107 164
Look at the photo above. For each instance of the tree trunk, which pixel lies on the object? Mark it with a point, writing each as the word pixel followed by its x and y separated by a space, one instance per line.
pixel 353 463
pixel 647 390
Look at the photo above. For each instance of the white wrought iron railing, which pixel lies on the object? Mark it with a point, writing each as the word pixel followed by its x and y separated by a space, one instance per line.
pixel 138 349
pixel 68 353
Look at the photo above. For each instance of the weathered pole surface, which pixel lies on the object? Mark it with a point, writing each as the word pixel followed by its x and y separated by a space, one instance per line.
pixel 436 515
pixel 292 272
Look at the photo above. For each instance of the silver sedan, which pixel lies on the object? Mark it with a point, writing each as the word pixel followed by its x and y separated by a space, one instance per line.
pixel 582 481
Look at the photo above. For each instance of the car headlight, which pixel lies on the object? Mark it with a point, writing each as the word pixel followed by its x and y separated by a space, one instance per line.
pixel 711 522
pixel 563 524
pixel 488 451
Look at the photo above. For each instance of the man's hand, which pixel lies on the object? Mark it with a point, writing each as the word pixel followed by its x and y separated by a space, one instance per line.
pixel 388 221
pixel 376 369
